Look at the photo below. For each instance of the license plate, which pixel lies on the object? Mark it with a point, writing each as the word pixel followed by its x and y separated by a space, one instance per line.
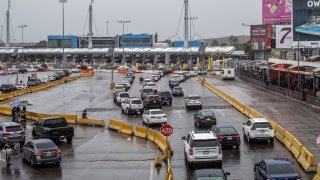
pixel 159 117
pixel 49 154
pixel 208 119
pixel 205 152
pixel 154 101
pixel 262 131
pixel 229 138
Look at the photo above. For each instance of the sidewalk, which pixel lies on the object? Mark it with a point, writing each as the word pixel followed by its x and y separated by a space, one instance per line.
pixel 300 118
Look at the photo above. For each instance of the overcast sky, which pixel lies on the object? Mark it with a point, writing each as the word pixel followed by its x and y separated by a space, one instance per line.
pixel 217 18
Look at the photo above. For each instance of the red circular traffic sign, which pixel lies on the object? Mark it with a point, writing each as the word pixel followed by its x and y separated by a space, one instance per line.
pixel 166 129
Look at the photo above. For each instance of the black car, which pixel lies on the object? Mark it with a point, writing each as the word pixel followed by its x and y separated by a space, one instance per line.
pixel 166 97
pixel 23 70
pixel 152 101
pixel 214 174
pixel 205 118
pixel 227 135
pixel 177 91
pixel 7 88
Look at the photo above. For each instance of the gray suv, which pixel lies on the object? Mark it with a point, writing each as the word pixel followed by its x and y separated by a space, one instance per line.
pixel 11 132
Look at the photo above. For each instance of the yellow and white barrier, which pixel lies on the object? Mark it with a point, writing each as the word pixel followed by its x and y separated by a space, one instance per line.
pixel 287 139
pixel 91 122
pixel 141 132
pixel 295 149
pixel 115 124
pixel 306 159
pixel 6 110
pixel 279 133
pixel 151 134
pixel 160 140
pixel 317 176
pixel 126 129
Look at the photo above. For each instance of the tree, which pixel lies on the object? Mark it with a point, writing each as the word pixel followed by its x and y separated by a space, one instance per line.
pixel 247 49
pixel 156 38
pixel 215 42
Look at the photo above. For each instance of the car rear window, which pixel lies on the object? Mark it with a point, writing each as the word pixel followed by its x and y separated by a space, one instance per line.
pixel 226 130
pixel 281 169
pixel 194 98
pixel 207 113
pixel 124 95
pixel 165 94
pixel 156 112
pixel 46 145
pixel 55 123
pixel 261 125
pixel 177 88
pixel 147 90
pixel 204 143
pixel 118 87
pixel 136 102
pixel 13 128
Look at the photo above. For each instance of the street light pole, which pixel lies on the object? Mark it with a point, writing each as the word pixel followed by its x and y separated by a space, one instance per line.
pixel 123 22
pixel 63 55
pixel 299 78
pixel 22 27
pixel 107 28
pixel 191 19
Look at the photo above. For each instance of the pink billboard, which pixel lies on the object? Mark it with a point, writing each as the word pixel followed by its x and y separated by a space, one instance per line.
pixel 276 11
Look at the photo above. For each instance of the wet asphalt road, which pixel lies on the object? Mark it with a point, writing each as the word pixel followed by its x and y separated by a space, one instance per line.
pixel 99 153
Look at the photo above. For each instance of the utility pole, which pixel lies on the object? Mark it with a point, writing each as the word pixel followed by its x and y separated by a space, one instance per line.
pixel 123 22
pixel 64 61
pixel 186 21
pixel 107 28
pixel 90 25
pixel 8 25
pixel 22 27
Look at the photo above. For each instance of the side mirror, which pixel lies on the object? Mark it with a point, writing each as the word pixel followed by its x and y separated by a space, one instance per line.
pixel 183 138
pixel 227 173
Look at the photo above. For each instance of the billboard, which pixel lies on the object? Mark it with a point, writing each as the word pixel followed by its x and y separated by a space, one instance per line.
pixel 261 37
pixel 283 36
pixel 276 11
pixel 306 23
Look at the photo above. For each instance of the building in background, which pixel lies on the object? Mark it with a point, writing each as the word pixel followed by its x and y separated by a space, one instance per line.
pixel 191 43
pixel 135 40
pixel 97 42
pixel 56 41
pixel 261 41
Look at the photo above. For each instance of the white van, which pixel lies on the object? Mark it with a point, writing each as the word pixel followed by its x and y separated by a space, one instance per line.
pixel 228 73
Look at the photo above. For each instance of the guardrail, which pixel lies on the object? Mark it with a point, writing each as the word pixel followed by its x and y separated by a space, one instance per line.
pixel 300 152
pixel 150 134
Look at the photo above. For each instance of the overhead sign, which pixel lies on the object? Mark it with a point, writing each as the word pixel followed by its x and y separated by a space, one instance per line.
pixel 261 37
pixel 276 11
pixel 306 23
pixel 166 130
pixel 283 36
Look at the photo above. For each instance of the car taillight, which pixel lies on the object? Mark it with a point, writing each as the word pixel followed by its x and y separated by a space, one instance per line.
pixel 236 136
pixel 38 153
pixel 164 116
pixel 220 149
pixel 6 134
pixel 253 129
pixel 190 151
pixel 149 101
pixel 152 117
pixel 220 137
pixel 58 151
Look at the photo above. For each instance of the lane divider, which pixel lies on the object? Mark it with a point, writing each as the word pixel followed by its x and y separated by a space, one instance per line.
pixel 300 152
pixel 317 176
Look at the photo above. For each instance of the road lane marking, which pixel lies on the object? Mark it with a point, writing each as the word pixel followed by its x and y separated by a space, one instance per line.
pixel 151 171
pixel 179 113
pixel 221 113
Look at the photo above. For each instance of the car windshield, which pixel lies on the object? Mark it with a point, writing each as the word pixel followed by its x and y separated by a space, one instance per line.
pixel 147 90
pixel 177 88
pixel 204 143
pixel 118 87
pixel 226 130
pixel 194 98
pixel 261 125
pixel 13 128
pixel 210 178
pixel 136 102
pixel 45 145
pixel 55 123
pixel 157 112
pixel 281 169
pixel 207 113
pixel 124 95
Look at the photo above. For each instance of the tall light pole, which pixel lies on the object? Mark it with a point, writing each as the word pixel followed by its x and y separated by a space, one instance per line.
pixel 191 19
pixel 63 55
pixel 123 22
pixel 107 28
pixel 22 27
pixel 299 77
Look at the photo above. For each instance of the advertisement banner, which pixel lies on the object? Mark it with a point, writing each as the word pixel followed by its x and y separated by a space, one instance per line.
pixel 306 23
pixel 276 11
pixel 283 36
pixel 261 37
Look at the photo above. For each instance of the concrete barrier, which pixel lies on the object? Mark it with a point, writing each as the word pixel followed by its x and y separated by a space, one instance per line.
pixel 115 124
pixel 151 134
pixel 126 129
pixel 279 132
pixel 141 132
pixel 306 160
pixel 317 176
pixel 41 115
pixel 70 118
pixel 160 140
pixel 287 139
pixel 295 149
pixel 91 122
pixel 4 110
pixel 32 116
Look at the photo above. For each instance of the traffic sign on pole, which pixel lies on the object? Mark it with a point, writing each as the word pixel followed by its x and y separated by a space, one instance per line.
pixel 166 129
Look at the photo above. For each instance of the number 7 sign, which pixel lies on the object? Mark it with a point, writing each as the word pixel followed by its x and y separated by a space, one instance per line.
pixel 283 37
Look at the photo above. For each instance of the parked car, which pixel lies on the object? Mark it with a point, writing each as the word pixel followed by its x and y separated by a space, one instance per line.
pixel 154 116
pixel 177 91
pixel 209 174
pixel 41 151
pixel 166 97
pixel 122 96
pixel 54 128
pixel 146 91
pixel 11 132
pixel 44 79
pixel 278 169
pixel 7 88
pixel 51 78
pixel 227 135
pixel 205 118
pixel 173 83
pixel 34 82
pixel 132 105
pixel 202 147
pixel 145 81
pixel 258 129
pixel 125 85
pixel 193 101
pixel 152 101
pixel 21 86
